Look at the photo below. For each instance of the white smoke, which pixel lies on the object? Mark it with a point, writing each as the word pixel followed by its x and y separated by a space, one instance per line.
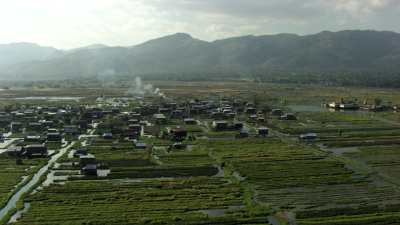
pixel 138 88
pixel 158 92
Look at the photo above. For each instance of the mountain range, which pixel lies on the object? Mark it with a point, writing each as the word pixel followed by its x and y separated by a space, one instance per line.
pixel 347 51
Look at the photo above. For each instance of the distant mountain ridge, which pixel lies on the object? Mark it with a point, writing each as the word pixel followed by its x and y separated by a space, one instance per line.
pixel 23 52
pixel 326 52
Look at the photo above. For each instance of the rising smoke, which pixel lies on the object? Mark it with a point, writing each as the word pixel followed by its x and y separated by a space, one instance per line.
pixel 138 88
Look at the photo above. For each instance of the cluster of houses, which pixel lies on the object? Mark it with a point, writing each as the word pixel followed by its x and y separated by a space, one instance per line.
pixel 29 151
pixel 142 118
pixel 36 126
pixel 44 123
pixel 353 105
pixel 344 105
pixel 40 125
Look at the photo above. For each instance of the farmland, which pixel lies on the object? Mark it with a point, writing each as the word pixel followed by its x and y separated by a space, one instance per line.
pixel 128 166
pixel 13 176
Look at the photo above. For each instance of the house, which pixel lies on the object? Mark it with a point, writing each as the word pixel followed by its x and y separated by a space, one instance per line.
pixel 238 126
pixel 5 120
pixel 277 112
pixel 33 138
pixel 178 134
pixel 231 115
pixel 86 160
pixel 148 110
pixel 334 105
pixel 190 121
pixel 50 115
pixel 226 110
pixel 243 133
pixel 171 105
pixel 251 110
pixel 378 108
pixel 107 112
pixel 89 170
pixel 15 151
pixel 141 146
pixel 71 129
pixel 83 125
pixel 144 122
pixel 47 123
pixel 35 150
pixel 52 130
pixel 263 131
pixel 16 127
pixel 236 103
pixel 217 115
pixel 177 114
pixel 115 110
pixel 54 137
pixel 107 136
pixel 18 116
pixel 349 106
pixel 197 109
pixel 308 136
pixel 164 110
pixel 253 118
pixel 177 146
pixel 220 125
pixel 136 116
pixel 288 116
pixel 133 121
pixel 160 118
pixel 137 128
pixel 131 135
pixel 80 152
pixel 35 126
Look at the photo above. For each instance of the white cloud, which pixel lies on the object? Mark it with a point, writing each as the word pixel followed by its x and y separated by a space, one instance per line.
pixel 73 23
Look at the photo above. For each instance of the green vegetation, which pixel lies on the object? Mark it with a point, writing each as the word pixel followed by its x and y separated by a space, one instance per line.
pixel 13 176
pixel 166 201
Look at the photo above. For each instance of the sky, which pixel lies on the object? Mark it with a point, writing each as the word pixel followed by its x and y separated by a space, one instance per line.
pixel 69 24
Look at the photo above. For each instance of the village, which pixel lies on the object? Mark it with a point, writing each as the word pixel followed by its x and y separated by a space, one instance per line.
pixel 152 157
pixel 31 132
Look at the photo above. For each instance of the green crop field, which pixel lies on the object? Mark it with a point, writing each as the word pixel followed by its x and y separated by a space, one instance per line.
pixel 12 175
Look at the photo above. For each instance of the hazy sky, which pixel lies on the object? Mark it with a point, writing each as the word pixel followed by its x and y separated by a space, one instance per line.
pixel 75 23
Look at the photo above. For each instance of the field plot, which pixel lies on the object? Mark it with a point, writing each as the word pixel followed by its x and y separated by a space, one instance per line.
pixel 384 160
pixel 154 201
pixel 343 128
pixel 126 162
pixel 334 122
pixel 303 179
